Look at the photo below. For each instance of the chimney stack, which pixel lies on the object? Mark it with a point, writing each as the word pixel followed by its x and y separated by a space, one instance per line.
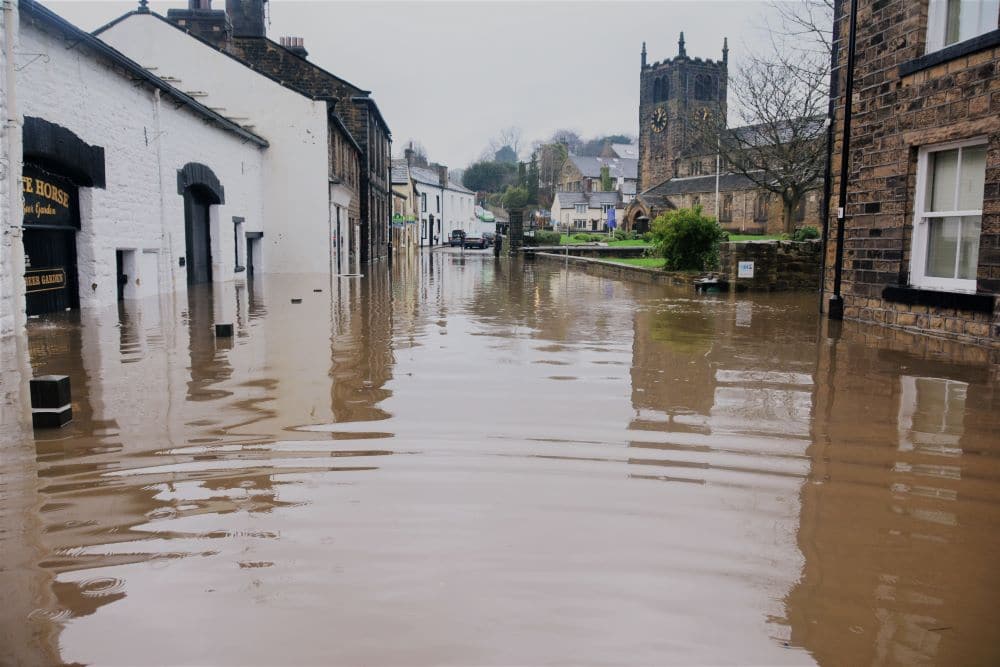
pixel 296 45
pixel 247 17
pixel 200 20
pixel 442 174
pixel 408 154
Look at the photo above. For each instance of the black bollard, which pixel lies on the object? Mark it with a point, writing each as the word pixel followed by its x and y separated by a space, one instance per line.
pixel 223 330
pixel 51 403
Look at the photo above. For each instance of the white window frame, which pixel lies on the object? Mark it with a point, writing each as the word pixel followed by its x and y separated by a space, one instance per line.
pixel 918 250
pixel 580 209
pixel 937 26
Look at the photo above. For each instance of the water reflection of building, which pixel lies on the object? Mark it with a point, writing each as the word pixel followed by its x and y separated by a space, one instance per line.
pixel 172 423
pixel 898 523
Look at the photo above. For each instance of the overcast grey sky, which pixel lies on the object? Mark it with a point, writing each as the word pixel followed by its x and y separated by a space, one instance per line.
pixel 451 74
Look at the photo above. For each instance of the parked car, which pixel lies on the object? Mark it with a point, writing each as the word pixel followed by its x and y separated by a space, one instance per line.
pixel 457 238
pixel 475 242
pixel 490 238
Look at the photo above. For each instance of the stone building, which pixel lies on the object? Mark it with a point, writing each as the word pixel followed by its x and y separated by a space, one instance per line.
pixel 239 32
pixel 587 174
pixel 675 168
pixel 585 211
pixel 123 186
pixel 920 230
pixel 405 208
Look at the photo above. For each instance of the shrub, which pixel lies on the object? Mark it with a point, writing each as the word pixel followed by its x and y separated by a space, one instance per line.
pixel 805 233
pixel 622 235
pixel 547 238
pixel 648 237
pixel 686 239
pixel 581 237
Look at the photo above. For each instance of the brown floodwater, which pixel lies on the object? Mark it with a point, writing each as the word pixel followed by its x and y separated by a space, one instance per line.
pixel 464 461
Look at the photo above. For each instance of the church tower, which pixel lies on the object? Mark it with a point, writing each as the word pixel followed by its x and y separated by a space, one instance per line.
pixel 671 93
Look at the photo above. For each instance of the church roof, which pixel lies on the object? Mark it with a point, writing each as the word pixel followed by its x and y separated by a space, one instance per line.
pixel 692 184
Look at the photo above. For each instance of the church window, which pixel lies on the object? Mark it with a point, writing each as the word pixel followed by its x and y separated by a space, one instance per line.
pixel 695 168
pixel 760 208
pixel 726 210
pixel 703 87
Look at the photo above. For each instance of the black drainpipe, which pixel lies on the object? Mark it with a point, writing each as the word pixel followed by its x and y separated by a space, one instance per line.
pixel 836 307
pixel 830 113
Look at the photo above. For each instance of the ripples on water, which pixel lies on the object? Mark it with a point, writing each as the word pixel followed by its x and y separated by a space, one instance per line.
pixel 468 461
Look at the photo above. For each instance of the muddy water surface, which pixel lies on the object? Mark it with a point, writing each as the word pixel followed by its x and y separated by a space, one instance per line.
pixel 465 461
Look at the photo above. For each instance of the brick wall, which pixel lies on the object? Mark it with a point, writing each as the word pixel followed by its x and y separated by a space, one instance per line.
pixel 893 116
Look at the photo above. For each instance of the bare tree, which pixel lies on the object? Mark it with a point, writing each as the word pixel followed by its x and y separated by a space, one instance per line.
pixel 781 146
pixel 510 137
pixel 801 38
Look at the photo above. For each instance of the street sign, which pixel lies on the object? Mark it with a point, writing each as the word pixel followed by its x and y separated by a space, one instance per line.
pixel 745 270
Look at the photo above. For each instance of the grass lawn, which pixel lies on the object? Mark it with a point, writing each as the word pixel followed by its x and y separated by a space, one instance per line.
pixel 567 239
pixel 647 262
pixel 754 237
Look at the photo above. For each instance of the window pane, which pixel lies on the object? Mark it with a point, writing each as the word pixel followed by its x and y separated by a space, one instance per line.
pixel 969 18
pixel 942 244
pixel 972 178
pixel 968 258
pixel 944 170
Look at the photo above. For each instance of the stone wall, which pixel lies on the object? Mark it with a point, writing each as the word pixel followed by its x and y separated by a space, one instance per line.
pixel 906 98
pixel 605 269
pixel 778 265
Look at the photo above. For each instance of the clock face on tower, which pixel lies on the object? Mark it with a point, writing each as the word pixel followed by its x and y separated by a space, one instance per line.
pixel 659 120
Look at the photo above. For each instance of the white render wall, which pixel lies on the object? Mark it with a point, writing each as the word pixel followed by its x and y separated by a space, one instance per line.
pixel 458 210
pixel 11 249
pixel 146 140
pixel 295 178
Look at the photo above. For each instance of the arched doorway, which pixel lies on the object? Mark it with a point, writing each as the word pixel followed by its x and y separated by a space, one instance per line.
pixel 201 190
pixel 56 164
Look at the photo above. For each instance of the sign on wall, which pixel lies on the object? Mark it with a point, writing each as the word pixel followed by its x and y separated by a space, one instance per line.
pixel 744 270
pixel 48 199
pixel 44 280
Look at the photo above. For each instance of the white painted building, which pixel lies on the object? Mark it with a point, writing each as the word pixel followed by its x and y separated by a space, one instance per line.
pixel 444 205
pixel 585 211
pixel 126 186
pixel 300 200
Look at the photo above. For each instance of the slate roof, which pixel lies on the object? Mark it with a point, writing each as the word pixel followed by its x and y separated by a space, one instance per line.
pixel 590 167
pixel 630 151
pixel 760 135
pixel 691 184
pixel 591 199
pixel 429 176
pixel 33 9
pixel 400 172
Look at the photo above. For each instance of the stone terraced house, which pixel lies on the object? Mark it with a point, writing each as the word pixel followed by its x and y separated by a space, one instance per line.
pixel 918 244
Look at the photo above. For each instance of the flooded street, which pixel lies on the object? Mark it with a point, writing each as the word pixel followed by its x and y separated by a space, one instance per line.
pixel 470 461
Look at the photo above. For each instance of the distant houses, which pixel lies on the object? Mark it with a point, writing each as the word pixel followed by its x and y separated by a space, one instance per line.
pixel 585 211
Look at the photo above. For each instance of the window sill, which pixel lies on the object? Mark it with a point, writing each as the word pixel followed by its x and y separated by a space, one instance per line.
pixel 987 40
pixel 914 296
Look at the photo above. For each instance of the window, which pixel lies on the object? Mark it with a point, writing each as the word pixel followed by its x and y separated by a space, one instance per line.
pixel 581 209
pixel 579 224
pixel 726 211
pixel 695 168
pixel 953 21
pixel 695 201
pixel 703 87
pixel 437 199
pixel 760 208
pixel 949 211
pixel 423 201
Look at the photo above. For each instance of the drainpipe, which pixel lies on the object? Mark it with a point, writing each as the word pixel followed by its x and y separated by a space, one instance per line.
pixel 836 305
pixel 835 46
pixel 13 148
